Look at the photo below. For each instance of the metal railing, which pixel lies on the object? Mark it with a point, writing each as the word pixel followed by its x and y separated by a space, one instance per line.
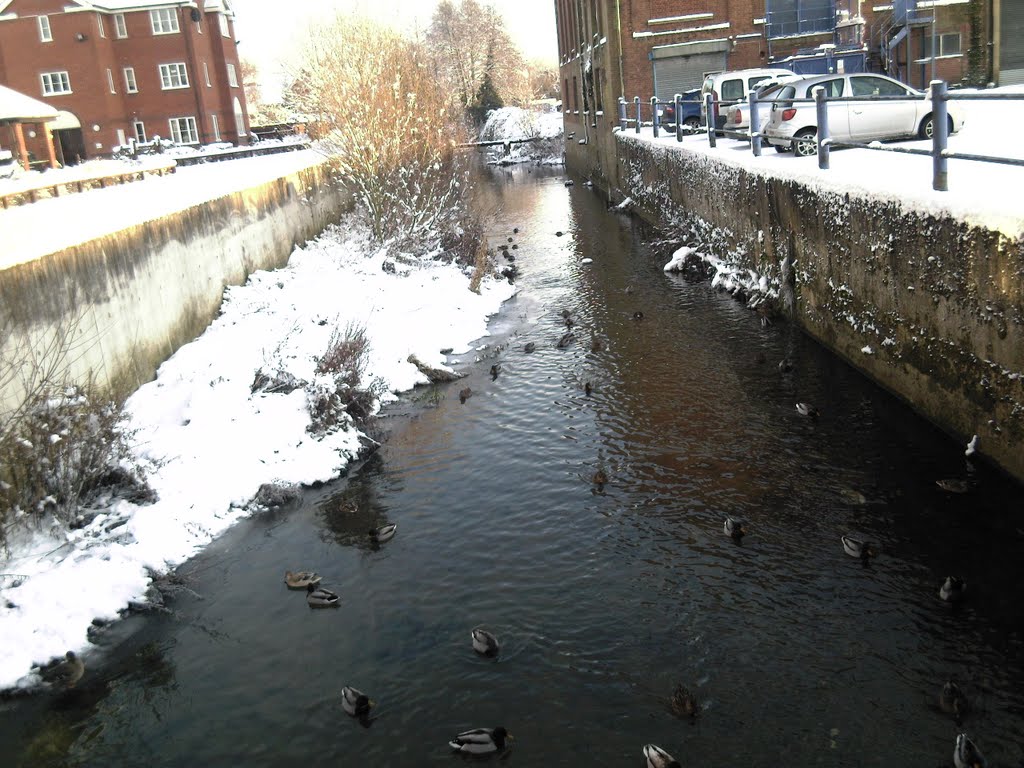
pixel 823 141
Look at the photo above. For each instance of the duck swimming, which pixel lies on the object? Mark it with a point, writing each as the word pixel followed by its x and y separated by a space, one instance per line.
pixel 301 579
pixel 953 589
pixel 806 409
pixel 587 388
pixel 355 702
pixel 384 533
pixel 684 703
pixel 321 598
pixel 734 528
pixel 530 347
pixel 481 741
pixel 659 758
pixel 600 479
pixel 953 701
pixel 856 547
pixel 953 485
pixel 566 340
pixel 966 755
pixel 785 365
pixel 484 642
pixel 465 394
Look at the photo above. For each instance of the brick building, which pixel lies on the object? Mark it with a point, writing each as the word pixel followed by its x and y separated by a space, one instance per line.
pixel 627 48
pixel 120 70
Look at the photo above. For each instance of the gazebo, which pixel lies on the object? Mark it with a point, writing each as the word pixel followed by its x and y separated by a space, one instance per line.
pixel 16 109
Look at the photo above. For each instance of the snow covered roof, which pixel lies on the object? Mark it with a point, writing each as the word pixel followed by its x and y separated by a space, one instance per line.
pixel 118 6
pixel 17 106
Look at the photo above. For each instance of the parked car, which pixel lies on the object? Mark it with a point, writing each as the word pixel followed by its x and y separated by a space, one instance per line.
pixel 732 87
pixel 851 120
pixel 738 115
pixel 689 107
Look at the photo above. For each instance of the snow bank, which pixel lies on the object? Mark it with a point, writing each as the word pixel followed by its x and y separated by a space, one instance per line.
pixel 212 443
pixel 511 123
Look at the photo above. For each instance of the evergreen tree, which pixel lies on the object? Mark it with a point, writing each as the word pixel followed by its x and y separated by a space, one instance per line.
pixel 487 97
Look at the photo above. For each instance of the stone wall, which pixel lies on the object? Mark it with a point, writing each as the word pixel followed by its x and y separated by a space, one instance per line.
pixel 929 306
pixel 116 307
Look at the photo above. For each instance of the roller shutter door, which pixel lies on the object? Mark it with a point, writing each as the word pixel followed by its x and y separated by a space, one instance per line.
pixel 1011 43
pixel 683 73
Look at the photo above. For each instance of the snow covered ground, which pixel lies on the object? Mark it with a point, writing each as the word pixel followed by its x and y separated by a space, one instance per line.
pixel 212 443
pixel 509 123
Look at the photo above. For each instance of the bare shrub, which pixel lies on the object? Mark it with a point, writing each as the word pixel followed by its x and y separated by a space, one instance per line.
pixel 345 356
pixel 339 394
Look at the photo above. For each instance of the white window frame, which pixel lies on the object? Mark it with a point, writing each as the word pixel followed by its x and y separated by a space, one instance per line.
pixel 941 39
pixel 222 20
pixel 175 124
pixel 206 75
pixel 100 25
pixel 45 32
pixel 164 21
pixel 110 80
pixel 140 131
pixel 232 75
pixel 131 85
pixel 120 27
pixel 173 76
pixel 62 82
pixel 215 122
pixel 121 137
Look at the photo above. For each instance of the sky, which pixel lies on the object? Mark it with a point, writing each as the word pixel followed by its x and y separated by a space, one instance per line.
pixel 269 30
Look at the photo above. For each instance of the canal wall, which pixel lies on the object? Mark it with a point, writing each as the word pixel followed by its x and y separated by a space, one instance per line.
pixel 928 304
pixel 112 309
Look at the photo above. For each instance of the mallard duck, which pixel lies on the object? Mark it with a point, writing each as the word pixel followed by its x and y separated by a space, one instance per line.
pixel 384 533
pixel 855 547
pixel 966 755
pixel 953 701
pixel 481 741
pixel 301 579
pixel 465 394
pixel 355 702
pixel 659 758
pixel 600 479
pixel 68 672
pixel 785 365
pixel 734 528
pixel 484 642
pixel 565 314
pixel 953 485
pixel 318 597
pixel 806 409
pixel 587 389
pixel 495 370
pixel 529 347
pixel 566 340
pixel 953 589
pixel 684 703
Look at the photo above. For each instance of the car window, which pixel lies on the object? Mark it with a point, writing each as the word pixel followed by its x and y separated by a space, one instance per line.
pixel 752 81
pixel 732 90
pixel 834 88
pixel 876 86
pixel 708 85
pixel 782 97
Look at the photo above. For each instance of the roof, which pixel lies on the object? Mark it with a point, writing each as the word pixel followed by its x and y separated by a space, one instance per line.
pixel 18 107
pixel 130 5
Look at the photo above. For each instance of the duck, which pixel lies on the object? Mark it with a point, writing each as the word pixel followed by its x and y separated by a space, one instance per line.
pixel 659 758
pixel 318 597
pixel 855 547
pixel 495 370
pixel 300 579
pixel 484 642
pixel 953 701
pixel 481 741
pixel 587 388
pixel 599 479
pixel 68 672
pixel 966 754
pixel 785 365
pixel 953 589
pixel 638 316
pixel 465 394
pixel 529 347
pixel 684 703
pixel 565 314
pixel 734 528
pixel 355 702
pixel 596 345
pixel 384 533
pixel 953 485
pixel 806 409
pixel 566 340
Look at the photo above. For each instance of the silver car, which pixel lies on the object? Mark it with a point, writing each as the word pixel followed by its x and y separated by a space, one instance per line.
pixel 794 125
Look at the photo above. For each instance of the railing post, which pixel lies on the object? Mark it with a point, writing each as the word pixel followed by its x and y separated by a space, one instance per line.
pixel 636 103
pixel 710 121
pixel 622 113
pixel 755 125
pixel 940 135
pixel 679 110
pixel 821 107
pixel 655 121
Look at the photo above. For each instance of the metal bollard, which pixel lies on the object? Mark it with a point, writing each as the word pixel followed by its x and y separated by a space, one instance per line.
pixel 655 117
pixel 636 103
pixel 679 123
pixel 755 125
pixel 940 135
pixel 710 121
pixel 821 107
pixel 622 113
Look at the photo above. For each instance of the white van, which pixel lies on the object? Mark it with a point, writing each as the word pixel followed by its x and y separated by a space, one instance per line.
pixel 732 87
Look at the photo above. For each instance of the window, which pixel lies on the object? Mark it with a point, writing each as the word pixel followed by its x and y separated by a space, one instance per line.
pixel 110 81
pixel 100 26
pixel 732 90
pixel 164 21
pixel 799 17
pixel 206 75
pixel 55 83
pixel 875 86
pixel 183 130
pixel 120 28
pixel 129 80
pixel 173 76
pixel 215 123
pixel 223 21
pixel 232 76
pixel 575 95
pixel 948 45
pixel 833 88
pixel 120 137
pixel 239 118
pixel 597 91
pixel 45 35
pixel 140 131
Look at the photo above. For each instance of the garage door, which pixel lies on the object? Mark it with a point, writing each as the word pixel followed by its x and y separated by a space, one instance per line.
pixel 1011 43
pixel 683 73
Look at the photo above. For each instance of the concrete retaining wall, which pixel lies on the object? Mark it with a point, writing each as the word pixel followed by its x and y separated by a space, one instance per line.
pixel 116 307
pixel 929 306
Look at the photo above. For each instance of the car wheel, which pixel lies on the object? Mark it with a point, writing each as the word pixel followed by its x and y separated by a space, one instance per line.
pixel 692 123
pixel 805 148
pixel 928 127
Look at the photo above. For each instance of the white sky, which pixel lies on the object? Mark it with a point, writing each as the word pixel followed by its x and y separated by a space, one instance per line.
pixel 269 29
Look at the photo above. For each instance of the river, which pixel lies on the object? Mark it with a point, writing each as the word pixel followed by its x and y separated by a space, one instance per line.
pixel 603 600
